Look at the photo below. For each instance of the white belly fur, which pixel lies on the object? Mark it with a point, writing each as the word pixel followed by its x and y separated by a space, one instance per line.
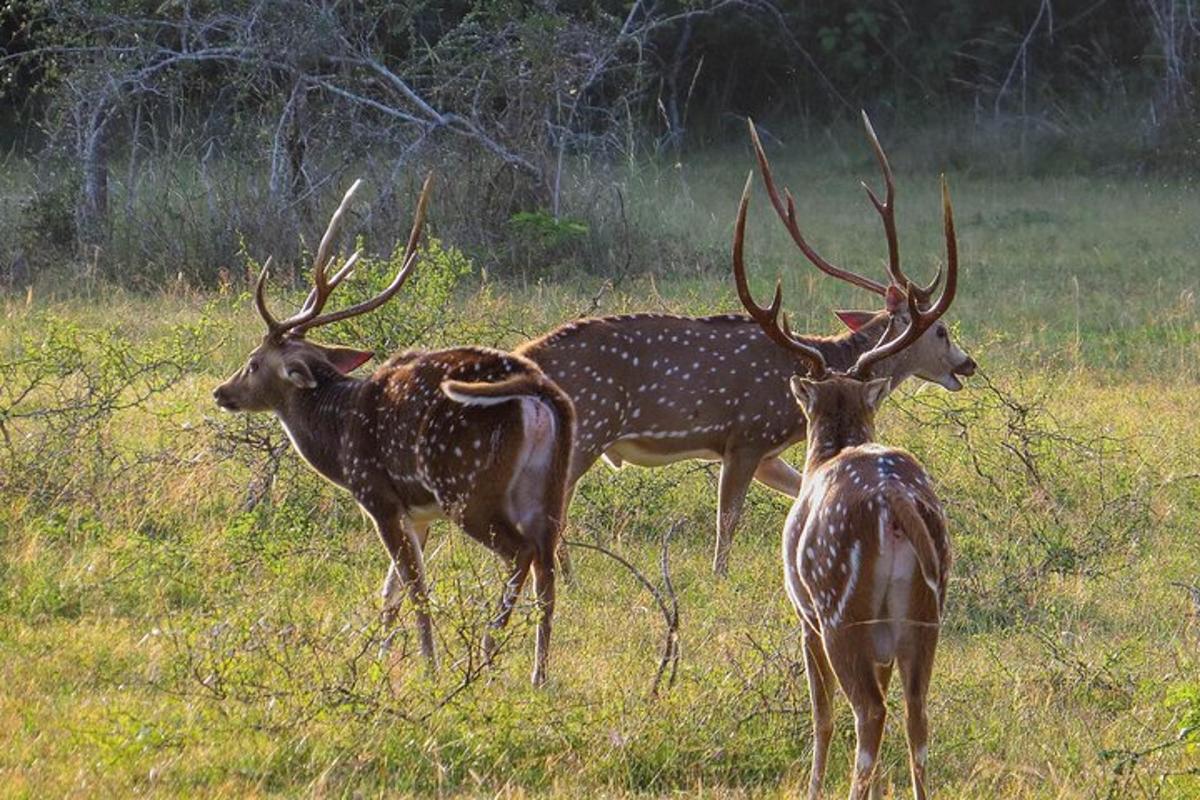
pixel 629 451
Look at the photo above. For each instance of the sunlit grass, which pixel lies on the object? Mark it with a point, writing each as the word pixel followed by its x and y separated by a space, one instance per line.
pixel 157 636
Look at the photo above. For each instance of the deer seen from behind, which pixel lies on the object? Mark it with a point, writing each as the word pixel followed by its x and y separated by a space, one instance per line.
pixel 865 549
pixel 474 435
pixel 652 389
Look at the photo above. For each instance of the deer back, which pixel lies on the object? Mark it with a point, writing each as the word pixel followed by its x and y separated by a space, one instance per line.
pixel 866 527
pixel 689 383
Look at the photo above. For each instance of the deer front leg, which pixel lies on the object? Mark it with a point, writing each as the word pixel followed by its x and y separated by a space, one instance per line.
pixel 563 554
pixel 737 470
pixel 393 598
pixel 403 543
pixel 779 475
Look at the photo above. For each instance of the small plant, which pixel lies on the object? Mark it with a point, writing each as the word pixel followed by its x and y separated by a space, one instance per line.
pixel 540 239
pixel 420 315
pixel 544 230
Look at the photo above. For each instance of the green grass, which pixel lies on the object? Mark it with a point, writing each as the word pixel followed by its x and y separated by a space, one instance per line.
pixel 157 638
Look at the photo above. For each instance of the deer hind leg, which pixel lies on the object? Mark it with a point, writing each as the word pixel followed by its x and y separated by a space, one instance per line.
pixel 916 667
pixel 883 677
pixel 777 474
pixel 821 687
pixel 854 665
pixel 508 599
pixel 543 578
pixel 737 470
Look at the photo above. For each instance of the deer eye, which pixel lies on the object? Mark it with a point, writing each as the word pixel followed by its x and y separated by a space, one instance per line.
pixel 941 332
pixel 251 367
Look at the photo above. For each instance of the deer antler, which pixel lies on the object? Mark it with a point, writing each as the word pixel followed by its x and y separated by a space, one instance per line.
pixel 919 320
pixel 787 214
pixel 309 316
pixel 887 212
pixel 768 319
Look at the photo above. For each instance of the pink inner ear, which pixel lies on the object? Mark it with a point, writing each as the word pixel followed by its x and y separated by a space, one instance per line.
pixel 854 319
pixel 894 300
pixel 346 361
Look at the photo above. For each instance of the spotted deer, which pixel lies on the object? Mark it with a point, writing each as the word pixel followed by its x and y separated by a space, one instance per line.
pixel 652 389
pixel 474 435
pixel 865 548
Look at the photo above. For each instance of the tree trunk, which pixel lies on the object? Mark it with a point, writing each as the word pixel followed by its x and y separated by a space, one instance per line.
pixel 91 213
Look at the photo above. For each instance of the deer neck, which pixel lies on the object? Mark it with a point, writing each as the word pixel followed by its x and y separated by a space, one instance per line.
pixel 317 423
pixel 830 434
pixel 843 351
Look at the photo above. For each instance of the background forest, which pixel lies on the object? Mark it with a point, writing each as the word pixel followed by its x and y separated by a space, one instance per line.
pixel 174 136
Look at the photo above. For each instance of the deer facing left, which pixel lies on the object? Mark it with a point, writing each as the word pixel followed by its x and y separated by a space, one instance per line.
pixel 469 434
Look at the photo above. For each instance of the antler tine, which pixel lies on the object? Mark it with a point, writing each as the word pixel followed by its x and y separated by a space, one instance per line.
pixel 768 318
pixel 410 258
pixel 333 282
pixel 919 320
pixel 887 212
pixel 322 286
pixel 788 215
pixel 886 208
pixel 260 300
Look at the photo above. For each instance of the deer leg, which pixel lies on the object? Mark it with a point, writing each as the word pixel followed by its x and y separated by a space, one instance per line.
pixel 508 599
pixel 855 671
pixel 916 667
pixel 402 541
pixel 737 470
pixel 564 554
pixel 393 598
pixel 883 677
pixel 821 686
pixel 543 578
pixel 779 475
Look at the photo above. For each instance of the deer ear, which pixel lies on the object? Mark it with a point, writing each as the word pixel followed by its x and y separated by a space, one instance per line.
pixel 876 391
pixel 893 301
pixel 345 359
pixel 855 319
pixel 298 373
pixel 802 389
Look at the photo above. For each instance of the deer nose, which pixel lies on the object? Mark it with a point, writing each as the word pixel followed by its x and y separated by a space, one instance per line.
pixel 966 368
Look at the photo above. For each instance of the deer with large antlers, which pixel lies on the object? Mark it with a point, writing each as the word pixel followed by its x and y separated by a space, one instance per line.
pixel 474 435
pixel 865 549
pixel 652 389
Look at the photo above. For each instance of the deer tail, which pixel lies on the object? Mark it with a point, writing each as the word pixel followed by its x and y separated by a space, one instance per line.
pixel 910 522
pixel 485 393
pixel 519 387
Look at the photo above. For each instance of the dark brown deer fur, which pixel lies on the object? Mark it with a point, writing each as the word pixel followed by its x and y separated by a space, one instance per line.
pixel 473 435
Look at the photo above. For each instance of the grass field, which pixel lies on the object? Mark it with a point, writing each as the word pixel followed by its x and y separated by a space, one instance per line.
pixel 159 637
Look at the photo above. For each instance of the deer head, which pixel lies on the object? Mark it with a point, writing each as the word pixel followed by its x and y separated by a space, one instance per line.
pixel 848 400
pixel 285 363
pixel 935 356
